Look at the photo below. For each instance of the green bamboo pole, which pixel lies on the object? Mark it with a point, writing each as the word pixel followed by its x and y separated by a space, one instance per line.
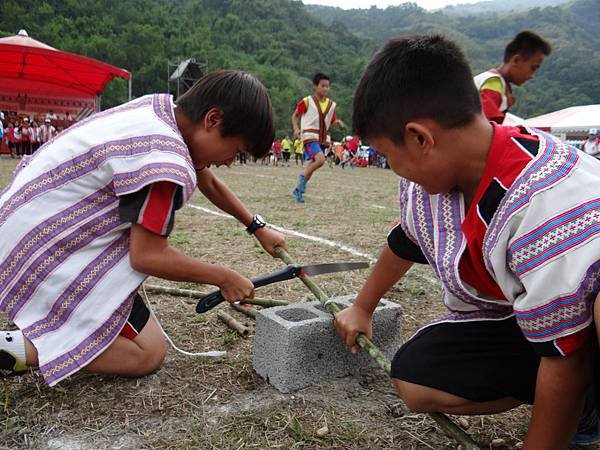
pixel 247 310
pixel 241 329
pixel 174 291
pixel 264 302
pixel 189 293
pixel 448 426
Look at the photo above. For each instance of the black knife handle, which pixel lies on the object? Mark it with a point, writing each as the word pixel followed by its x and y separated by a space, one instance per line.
pixel 209 301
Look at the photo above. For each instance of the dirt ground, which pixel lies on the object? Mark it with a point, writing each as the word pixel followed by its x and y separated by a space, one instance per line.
pixel 221 403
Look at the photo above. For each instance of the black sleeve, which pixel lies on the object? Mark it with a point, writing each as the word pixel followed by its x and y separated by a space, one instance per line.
pixel 404 247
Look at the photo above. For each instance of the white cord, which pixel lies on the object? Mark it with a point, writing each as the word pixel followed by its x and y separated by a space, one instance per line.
pixel 212 354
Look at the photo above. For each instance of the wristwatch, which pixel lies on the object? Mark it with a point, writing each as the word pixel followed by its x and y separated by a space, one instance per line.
pixel 257 222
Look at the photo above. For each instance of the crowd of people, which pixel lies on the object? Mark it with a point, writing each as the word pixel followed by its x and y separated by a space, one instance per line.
pixel 349 152
pixel 22 134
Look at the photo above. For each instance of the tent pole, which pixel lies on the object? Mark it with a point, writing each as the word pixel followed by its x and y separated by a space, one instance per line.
pixel 129 87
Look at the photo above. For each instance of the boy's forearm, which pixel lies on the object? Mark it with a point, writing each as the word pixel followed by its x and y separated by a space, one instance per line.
pixel 561 386
pixel 222 197
pixel 152 255
pixel 388 269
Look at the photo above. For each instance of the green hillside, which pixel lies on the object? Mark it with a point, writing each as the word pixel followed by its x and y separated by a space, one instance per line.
pixel 284 42
pixel 569 77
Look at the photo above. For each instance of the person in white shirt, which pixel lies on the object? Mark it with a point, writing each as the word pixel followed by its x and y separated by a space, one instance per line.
pixel 591 145
pixel 51 115
pixel 47 132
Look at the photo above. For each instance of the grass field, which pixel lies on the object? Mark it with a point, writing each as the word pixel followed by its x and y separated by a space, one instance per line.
pixel 221 403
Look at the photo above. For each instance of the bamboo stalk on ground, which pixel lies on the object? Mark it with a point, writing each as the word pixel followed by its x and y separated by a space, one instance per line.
pixel 264 302
pixel 241 329
pixel 448 426
pixel 174 291
pixel 247 310
pixel 154 289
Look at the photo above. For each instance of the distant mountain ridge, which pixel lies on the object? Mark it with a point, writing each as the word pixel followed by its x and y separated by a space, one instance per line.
pixel 499 6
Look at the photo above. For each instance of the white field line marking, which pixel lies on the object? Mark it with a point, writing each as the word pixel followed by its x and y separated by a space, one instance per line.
pixel 308 237
pixel 254 174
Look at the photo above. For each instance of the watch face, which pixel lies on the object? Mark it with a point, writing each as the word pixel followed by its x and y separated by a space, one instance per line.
pixel 260 221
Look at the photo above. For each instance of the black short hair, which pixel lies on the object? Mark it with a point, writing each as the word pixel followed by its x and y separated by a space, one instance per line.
pixel 318 77
pixel 526 44
pixel 246 106
pixel 414 77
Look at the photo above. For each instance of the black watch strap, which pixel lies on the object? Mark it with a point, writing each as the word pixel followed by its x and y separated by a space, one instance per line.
pixel 257 222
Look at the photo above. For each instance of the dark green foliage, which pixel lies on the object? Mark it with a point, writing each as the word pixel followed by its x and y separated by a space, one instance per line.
pixel 284 45
pixel 569 76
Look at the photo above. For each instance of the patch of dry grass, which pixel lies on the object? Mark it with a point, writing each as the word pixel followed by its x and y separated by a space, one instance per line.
pixel 222 403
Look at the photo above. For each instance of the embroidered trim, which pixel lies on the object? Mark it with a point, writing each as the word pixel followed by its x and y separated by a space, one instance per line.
pixel 78 290
pixel 53 257
pixel 163 108
pixel 555 237
pixel 563 315
pixel 552 165
pixel 63 366
pixel 90 161
pixel 127 182
pixel 48 230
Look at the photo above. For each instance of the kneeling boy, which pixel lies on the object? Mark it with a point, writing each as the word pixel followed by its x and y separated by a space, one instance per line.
pixel 86 220
pixel 506 219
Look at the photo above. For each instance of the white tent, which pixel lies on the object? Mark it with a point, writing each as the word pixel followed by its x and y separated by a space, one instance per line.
pixel 513 120
pixel 573 119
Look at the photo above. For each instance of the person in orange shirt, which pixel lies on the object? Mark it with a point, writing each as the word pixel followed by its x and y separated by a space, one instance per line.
pixel 311 121
pixel 523 56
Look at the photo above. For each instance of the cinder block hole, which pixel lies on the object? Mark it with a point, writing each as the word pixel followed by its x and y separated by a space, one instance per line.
pixel 296 315
pixel 322 308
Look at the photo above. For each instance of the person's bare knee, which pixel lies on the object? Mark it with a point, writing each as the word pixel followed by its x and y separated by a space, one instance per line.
pixel 152 348
pixel 412 397
pixel 319 160
pixel 133 358
pixel 420 398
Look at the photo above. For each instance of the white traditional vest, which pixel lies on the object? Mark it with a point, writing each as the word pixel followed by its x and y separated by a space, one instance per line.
pixel 315 123
pixel 483 77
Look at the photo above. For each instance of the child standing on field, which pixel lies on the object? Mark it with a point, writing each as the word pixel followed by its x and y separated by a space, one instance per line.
pixel 311 121
pixel 506 219
pixel 87 218
pixel 299 151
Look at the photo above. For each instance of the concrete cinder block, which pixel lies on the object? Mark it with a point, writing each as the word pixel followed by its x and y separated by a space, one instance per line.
pixel 296 346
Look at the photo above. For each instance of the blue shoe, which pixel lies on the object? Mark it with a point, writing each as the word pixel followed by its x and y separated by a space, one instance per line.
pixel 584 439
pixel 298 195
pixel 301 184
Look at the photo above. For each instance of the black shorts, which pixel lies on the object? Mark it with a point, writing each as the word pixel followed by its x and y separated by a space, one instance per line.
pixel 479 361
pixel 137 320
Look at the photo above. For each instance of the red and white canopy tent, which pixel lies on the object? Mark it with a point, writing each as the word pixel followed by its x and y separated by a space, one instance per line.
pixel 577 120
pixel 35 77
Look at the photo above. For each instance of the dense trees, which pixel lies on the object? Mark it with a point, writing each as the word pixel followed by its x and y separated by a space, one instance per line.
pixel 284 43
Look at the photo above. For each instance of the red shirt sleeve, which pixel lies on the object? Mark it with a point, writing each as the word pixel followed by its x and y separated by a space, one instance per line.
pixel 333 118
pixel 152 207
pixel 490 103
pixel 300 108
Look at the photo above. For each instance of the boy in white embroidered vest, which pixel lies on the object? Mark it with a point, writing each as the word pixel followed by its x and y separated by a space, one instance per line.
pixel 523 56
pixel 316 114
pixel 506 219
pixel 86 220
